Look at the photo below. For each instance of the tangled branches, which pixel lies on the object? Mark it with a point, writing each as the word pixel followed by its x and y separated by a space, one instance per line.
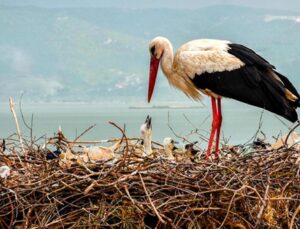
pixel 259 190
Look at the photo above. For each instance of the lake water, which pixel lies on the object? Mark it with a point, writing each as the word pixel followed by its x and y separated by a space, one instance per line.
pixel 240 121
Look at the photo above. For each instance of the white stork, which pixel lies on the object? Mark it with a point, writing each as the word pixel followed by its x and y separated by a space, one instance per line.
pixel 219 68
pixel 169 147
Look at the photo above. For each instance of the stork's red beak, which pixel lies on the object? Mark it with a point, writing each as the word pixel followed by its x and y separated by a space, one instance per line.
pixel 154 63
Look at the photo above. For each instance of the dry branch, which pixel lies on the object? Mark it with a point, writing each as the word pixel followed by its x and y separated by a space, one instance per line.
pixel 12 105
pixel 255 190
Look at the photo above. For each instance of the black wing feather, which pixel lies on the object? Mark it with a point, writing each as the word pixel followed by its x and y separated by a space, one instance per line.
pixel 248 56
pixel 288 85
pixel 253 84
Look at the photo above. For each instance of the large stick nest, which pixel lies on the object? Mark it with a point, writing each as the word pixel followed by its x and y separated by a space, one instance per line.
pixel 257 190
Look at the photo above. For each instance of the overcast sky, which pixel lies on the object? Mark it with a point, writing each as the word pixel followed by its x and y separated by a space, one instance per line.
pixel 293 5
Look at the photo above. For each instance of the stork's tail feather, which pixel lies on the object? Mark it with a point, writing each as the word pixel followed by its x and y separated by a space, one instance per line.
pixel 291 92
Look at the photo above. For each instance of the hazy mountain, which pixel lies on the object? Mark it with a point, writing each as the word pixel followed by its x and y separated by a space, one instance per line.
pixel 84 54
pixel 293 5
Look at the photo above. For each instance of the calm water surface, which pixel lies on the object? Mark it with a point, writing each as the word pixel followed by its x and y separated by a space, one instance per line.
pixel 240 122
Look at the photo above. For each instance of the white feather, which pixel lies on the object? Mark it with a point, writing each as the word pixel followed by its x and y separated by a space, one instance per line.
pixel 4 171
pixel 200 56
pixel 194 58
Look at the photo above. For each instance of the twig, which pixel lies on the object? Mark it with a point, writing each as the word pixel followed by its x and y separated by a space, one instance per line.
pixel 196 129
pixel 123 137
pixel 282 122
pixel 176 135
pixel 294 217
pixel 24 121
pixel 150 201
pixel 84 132
pixel 260 123
pixel 264 204
pixel 11 105
pixel 293 127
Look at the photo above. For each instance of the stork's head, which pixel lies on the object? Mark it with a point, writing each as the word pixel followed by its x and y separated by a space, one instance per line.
pixel 146 129
pixel 156 49
pixel 169 144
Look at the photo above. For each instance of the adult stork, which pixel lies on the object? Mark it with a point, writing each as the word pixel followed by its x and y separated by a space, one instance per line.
pixel 219 68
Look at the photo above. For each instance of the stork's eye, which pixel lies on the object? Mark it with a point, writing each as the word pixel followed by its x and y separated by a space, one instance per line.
pixel 152 50
pixel 172 141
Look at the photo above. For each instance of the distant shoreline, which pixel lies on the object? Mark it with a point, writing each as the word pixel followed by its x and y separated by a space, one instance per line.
pixel 165 107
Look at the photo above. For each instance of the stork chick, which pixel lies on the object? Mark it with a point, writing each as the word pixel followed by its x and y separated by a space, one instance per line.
pixel 67 159
pixel 169 147
pixel 68 155
pixel 190 151
pixel 142 149
pixel 53 154
pixel 187 154
pixel 99 153
pixel 4 171
pixel 146 135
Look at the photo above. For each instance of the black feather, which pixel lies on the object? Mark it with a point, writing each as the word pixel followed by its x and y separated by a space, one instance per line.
pixel 248 56
pixel 152 50
pixel 3 145
pixel 53 155
pixel 254 83
pixel 291 88
pixel 250 85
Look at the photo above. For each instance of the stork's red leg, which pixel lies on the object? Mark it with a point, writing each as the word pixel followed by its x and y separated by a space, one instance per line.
pixel 219 124
pixel 213 128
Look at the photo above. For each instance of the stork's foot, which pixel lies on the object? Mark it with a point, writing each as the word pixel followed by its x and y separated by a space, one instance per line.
pixel 207 155
pixel 216 154
pixel 212 154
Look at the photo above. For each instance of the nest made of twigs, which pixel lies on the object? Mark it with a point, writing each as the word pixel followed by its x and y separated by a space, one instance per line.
pixel 257 190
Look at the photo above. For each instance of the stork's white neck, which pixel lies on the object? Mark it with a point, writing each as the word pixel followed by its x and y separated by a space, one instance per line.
pixel 167 59
pixel 147 144
pixel 180 81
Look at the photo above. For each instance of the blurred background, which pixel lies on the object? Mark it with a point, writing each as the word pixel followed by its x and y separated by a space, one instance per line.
pixel 83 62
